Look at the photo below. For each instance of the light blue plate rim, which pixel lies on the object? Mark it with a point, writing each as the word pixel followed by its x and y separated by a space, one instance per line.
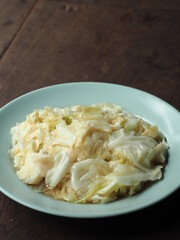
pixel 115 208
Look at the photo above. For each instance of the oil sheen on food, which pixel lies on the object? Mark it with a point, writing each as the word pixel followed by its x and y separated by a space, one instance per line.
pixel 87 154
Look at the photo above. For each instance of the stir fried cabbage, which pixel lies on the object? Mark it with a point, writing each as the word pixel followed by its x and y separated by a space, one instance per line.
pixel 87 154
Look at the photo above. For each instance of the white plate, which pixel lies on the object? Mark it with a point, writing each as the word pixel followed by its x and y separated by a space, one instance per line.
pixel 138 102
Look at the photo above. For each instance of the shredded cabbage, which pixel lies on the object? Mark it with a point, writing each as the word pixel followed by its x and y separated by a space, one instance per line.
pixel 60 168
pixel 84 173
pixel 87 154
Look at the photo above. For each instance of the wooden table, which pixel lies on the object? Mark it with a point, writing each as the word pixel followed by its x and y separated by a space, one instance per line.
pixel 129 42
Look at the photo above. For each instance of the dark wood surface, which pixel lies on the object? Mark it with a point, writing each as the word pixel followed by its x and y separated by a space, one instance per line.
pixel 13 15
pixel 134 43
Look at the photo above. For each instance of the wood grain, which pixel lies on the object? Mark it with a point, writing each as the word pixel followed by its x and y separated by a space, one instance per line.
pixel 135 43
pixel 67 43
pixel 12 16
pixel 135 4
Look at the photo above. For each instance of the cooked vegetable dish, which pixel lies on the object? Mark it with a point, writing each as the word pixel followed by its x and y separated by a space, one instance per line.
pixel 87 154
